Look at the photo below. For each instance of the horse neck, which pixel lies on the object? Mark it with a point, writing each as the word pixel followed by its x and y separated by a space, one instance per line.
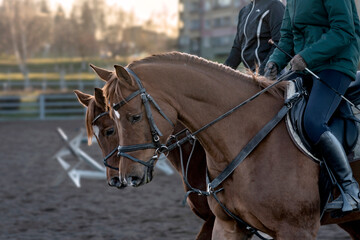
pixel 201 94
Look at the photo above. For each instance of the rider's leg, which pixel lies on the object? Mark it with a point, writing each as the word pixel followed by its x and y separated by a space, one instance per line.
pixel 335 157
pixel 322 104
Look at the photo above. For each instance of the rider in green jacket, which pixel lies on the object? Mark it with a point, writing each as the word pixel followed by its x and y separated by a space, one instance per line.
pixel 324 36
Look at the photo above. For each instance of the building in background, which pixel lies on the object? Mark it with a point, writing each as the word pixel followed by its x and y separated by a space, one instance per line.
pixel 207 27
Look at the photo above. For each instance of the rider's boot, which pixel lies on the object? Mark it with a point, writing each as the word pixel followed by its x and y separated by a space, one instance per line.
pixel 335 157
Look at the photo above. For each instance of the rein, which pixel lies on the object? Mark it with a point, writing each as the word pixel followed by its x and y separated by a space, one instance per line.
pixel 182 141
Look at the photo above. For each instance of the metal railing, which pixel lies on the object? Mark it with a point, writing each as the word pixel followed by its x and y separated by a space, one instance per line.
pixel 42 107
pixel 45 85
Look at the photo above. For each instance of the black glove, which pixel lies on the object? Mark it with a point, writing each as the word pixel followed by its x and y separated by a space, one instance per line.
pixel 271 70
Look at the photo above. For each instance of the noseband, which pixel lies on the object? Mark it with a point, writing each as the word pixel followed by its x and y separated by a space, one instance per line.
pixel 155 132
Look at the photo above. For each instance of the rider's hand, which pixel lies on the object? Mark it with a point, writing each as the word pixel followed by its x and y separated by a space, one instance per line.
pixel 271 70
pixel 297 63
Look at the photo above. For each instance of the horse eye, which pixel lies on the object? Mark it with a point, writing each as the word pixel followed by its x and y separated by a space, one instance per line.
pixel 135 118
pixel 109 132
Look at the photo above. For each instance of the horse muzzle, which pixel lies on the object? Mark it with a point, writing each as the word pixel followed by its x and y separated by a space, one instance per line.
pixel 115 182
pixel 136 180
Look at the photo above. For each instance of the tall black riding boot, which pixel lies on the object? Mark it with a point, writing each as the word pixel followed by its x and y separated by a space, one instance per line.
pixel 335 157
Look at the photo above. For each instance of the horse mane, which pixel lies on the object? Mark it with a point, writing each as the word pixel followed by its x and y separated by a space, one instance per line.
pixel 263 82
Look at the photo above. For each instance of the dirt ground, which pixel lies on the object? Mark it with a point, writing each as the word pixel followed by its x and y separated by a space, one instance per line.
pixel 38 201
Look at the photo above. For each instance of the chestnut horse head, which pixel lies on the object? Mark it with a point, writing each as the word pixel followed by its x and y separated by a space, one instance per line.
pixel 129 119
pixel 99 124
pixel 274 189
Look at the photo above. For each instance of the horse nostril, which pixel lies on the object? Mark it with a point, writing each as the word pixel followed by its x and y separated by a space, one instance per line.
pixel 133 180
pixel 114 181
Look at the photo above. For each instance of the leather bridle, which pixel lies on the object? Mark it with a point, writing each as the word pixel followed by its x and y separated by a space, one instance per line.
pixel 114 150
pixel 155 131
pixel 99 116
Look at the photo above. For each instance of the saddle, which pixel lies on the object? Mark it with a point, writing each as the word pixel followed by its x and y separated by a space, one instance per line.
pixel 343 124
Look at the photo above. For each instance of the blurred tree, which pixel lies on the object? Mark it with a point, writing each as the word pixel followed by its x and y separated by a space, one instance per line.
pixel 62 34
pixel 93 27
pixel 95 8
pixel 98 10
pixel 159 25
pixel 44 8
pixel 111 39
pixel 28 30
pixel 5 40
pixel 114 42
pixel 83 32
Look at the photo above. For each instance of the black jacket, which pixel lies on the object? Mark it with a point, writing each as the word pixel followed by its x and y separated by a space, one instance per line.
pixel 258 22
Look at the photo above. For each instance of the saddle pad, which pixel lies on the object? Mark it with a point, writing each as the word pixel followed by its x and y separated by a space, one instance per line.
pixel 290 91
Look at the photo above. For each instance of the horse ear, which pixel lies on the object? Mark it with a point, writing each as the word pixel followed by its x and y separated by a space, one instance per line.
pixel 99 98
pixel 83 98
pixel 102 73
pixel 122 73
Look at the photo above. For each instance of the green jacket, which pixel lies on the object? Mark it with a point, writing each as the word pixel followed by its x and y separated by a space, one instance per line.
pixel 326 33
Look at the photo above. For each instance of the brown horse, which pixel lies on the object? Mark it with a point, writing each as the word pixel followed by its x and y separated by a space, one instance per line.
pixel 98 119
pixel 99 123
pixel 275 189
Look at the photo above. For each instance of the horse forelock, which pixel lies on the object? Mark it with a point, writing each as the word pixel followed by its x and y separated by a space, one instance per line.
pixel 177 57
pixel 112 93
pixel 89 117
